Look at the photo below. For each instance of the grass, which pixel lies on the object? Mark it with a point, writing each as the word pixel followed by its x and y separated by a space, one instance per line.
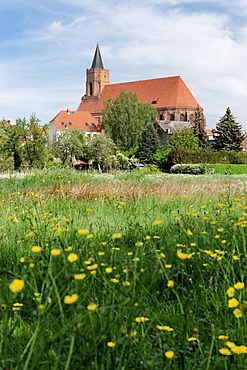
pixel 133 272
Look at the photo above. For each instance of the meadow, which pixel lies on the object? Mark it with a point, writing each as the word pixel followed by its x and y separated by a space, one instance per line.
pixel 123 271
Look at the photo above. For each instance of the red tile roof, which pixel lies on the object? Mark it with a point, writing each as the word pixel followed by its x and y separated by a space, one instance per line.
pixel 169 92
pixel 75 120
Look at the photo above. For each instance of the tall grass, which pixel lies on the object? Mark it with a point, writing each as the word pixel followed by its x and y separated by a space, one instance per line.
pixel 127 276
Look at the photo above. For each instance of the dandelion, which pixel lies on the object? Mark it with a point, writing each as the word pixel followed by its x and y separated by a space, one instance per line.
pixel 79 276
pixel 116 236
pixel 168 266
pixel 239 349
pixel 230 344
pixel 141 319
pixel 69 299
pixel 225 351
pixel 111 344
pixel 72 257
pixel 169 354
pixel 239 285
pixel 92 306
pixel 157 222
pixel 166 328
pixel 82 231
pixel 238 313
pixel 55 252
pixel 233 303
pixel 16 285
pixel 230 292
pixel 192 339
pixel 92 267
pixel 36 249
pixel 22 259
pixel 189 232
pixel 170 284
pixel 108 270
pixel 183 256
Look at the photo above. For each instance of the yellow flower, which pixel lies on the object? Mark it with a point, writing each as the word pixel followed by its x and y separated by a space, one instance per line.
pixel 55 252
pixel 79 276
pixel 157 222
pixel 68 249
pixel 235 258
pixel 116 236
pixel 170 284
pixel 191 339
pixel 108 270
pixel 167 328
pixel 72 257
pixel 16 285
pixel 111 344
pixel 230 292
pixel 230 344
pixel 89 210
pixel 238 313
pixel 115 280
pixel 189 232
pixel 225 351
pixel 168 266
pixel 22 259
pixel 139 244
pixel 29 235
pixel 169 354
pixel 126 283
pixel 233 303
pixel 239 285
pixel 183 256
pixel 92 306
pixel 223 337
pixel 141 319
pixel 82 231
pixel 69 299
pixel 89 236
pixel 36 249
pixel 239 349
pixel 92 267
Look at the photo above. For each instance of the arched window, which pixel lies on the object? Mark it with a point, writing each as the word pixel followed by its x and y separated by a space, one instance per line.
pixel 182 117
pixel 172 117
pixel 90 88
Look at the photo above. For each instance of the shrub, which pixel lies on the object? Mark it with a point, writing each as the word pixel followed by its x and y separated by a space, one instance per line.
pixel 192 169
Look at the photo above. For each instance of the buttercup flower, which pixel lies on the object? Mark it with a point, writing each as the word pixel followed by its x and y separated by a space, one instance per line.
pixel 239 285
pixel 170 284
pixel 55 252
pixel 82 231
pixel 72 257
pixel 169 354
pixel 116 236
pixel 79 276
pixel 233 303
pixel 36 249
pixel 141 319
pixel 111 344
pixel 225 351
pixel 69 299
pixel 157 222
pixel 166 328
pixel 92 306
pixel 230 292
pixel 16 285
pixel 238 313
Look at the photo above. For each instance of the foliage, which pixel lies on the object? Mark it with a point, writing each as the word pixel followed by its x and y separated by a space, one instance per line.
pixel 199 129
pixel 124 119
pixel 161 159
pixel 69 144
pixel 230 169
pixel 100 150
pixel 148 144
pixel 228 134
pixel 121 161
pixel 192 169
pixel 184 139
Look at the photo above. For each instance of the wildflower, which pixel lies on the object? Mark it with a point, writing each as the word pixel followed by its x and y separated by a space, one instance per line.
pixel 29 235
pixel 157 222
pixel 115 280
pixel 230 344
pixel 167 328
pixel 89 210
pixel 189 232
pixel 235 258
pixel 225 351
pixel 92 306
pixel 108 270
pixel 126 283
pixel 191 339
pixel 89 236
pixel 183 256
pixel 92 267
pixel 72 257
pixel 69 299
pixel 162 255
pixel 111 344
pixel 66 220
pixel 223 337
pixel 68 249
pixel 230 292
pixel 116 236
pixel 139 244
pixel 136 259
pixel 41 307
pixel 169 354
pixel 239 349
pixel 141 319
pixel 82 231
pixel 79 276
pixel 168 266
pixel 22 259
pixel 16 285
pixel 55 252
pixel 147 237
pixel 170 284
pixel 239 285
pixel 36 249
pixel 233 303
pixel 238 313
pixel 156 237
pixel 31 265
pixel 101 253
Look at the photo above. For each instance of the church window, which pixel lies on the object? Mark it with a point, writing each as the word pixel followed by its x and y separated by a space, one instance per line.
pixel 90 88
pixel 172 117
pixel 182 117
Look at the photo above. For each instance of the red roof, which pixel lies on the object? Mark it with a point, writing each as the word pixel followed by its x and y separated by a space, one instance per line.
pixel 169 92
pixel 75 120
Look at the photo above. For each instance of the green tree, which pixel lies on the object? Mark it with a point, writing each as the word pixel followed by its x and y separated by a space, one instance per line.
pixel 228 134
pixel 183 139
pixel 125 118
pixel 100 150
pixel 199 129
pixel 69 144
pixel 148 144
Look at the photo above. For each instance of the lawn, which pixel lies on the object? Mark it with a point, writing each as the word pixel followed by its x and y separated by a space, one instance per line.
pixel 124 271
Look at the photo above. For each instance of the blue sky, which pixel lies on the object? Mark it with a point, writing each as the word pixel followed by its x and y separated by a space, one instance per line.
pixel 46 47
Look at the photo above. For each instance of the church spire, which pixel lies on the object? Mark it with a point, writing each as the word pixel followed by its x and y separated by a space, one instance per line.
pixel 97 60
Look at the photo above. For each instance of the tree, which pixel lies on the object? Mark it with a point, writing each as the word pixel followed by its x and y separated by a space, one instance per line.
pixel 100 149
pixel 148 144
pixel 125 118
pixel 183 139
pixel 199 129
pixel 69 144
pixel 228 134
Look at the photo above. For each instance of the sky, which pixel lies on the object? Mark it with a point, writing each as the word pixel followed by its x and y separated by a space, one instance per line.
pixel 46 47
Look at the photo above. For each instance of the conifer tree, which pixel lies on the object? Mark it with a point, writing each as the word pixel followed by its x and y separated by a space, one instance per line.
pixel 199 130
pixel 148 144
pixel 228 134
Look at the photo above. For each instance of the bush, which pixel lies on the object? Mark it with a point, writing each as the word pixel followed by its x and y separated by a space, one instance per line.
pixel 230 169
pixel 192 169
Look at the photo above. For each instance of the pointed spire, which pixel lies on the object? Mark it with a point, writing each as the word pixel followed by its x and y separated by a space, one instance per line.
pixel 97 60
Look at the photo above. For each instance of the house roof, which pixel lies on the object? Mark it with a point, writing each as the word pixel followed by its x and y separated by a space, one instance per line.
pixel 168 92
pixel 173 126
pixel 67 119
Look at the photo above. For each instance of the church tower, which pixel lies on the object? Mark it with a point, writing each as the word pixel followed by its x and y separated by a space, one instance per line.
pixel 97 78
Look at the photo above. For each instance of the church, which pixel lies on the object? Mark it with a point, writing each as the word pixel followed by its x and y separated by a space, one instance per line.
pixel 175 104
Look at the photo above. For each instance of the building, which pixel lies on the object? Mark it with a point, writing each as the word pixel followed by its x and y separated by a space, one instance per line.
pixel 170 95
pixel 71 120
